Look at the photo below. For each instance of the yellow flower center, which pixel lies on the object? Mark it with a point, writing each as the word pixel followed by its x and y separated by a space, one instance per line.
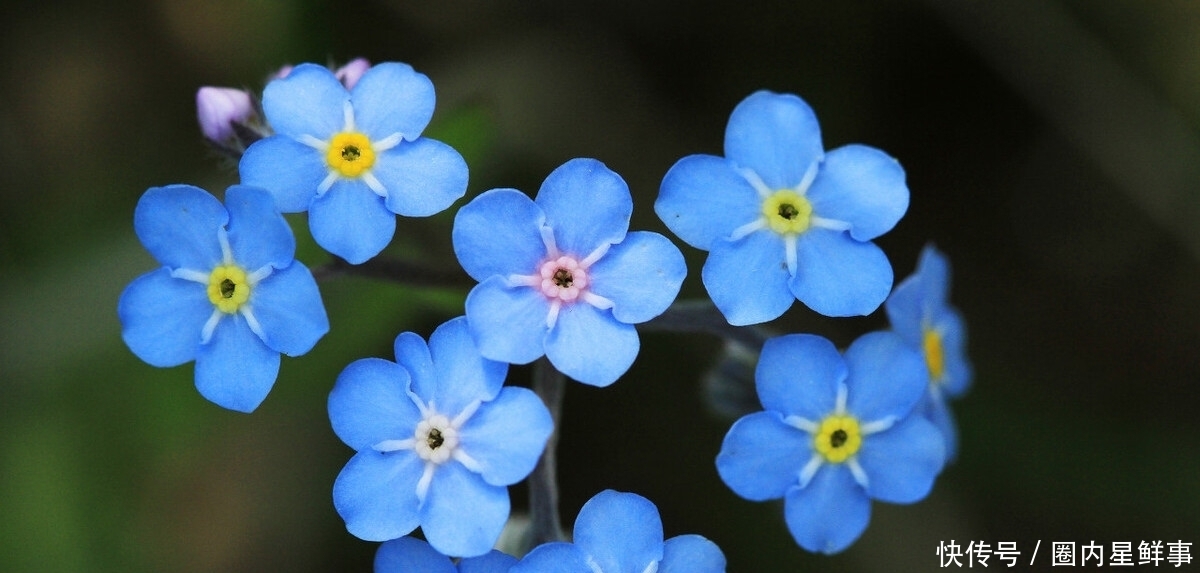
pixel 838 438
pixel 228 288
pixel 934 359
pixel 350 153
pixel 787 212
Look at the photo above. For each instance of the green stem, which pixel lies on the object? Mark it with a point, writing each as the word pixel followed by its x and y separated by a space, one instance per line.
pixel 702 316
pixel 545 523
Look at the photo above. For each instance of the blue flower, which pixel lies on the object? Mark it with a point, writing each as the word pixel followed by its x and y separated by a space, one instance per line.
pixel 619 532
pixel 438 441
pixel 835 434
pixel 409 555
pixel 228 296
pixel 561 276
pixel 782 219
pixel 920 314
pixel 354 158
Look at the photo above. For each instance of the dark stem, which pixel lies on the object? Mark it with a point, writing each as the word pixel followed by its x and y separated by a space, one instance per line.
pixel 394 270
pixel 545 524
pixel 702 316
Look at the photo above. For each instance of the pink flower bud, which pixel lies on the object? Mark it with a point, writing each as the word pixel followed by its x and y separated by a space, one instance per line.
pixel 218 108
pixel 350 73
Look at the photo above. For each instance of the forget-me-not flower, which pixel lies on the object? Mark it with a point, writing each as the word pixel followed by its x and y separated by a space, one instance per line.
pixel 228 295
pixel 921 314
pixel 835 434
pixel 784 220
pixel 618 532
pixel 438 441
pixel 411 555
pixel 561 275
pixel 354 158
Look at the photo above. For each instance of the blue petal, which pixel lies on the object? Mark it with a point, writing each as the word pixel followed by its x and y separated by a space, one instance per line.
pixel 413 354
pixel 462 515
pixel 703 199
pixel 351 222
pixel 902 462
pixel 178 224
pixel 258 234
pixel 490 562
pixel 747 279
pixel 776 135
pixel 288 306
pixel 161 317
pixel 392 98
pixel 290 170
pixel 409 555
pixel 691 554
pixel 959 372
pixel 761 457
pixel 309 101
pixel 422 177
pixel 838 276
pixel 936 409
pixel 553 558
pixel 862 186
pixel 640 275
pixel 619 531
pixel 463 375
pixel 507 435
pixel 235 370
pixel 589 345
pixel 499 233
pixel 369 404
pixel 798 375
pixel 887 377
pixel 508 323
pixel 830 514
pixel 587 204
pixel 376 494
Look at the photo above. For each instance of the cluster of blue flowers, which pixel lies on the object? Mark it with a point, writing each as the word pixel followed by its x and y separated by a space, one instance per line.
pixel 437 434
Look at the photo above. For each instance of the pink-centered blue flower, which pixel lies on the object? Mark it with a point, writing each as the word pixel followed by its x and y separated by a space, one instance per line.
pixel 229 294
pixel 784 220
pixel 561 275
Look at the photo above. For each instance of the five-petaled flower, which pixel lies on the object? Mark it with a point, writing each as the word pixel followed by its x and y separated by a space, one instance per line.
pixel 561 275
pixel 354 158
pixel 228 296
pixel 920 313
pixel 438 441
pixel 835 434
pixel 411 555
pixel 618 532
pixel 783 220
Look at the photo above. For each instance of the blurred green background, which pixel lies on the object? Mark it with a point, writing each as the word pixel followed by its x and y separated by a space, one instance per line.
pixel 1052 150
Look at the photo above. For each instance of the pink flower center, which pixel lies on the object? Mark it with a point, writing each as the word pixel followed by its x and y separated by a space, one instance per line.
pixel 563 278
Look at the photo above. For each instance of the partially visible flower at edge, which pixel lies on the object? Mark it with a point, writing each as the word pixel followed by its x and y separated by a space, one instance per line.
pixel 920 312
pixel 229 294
pixel 353 71
pixel 561 275
pixel 410 555
pixel 620 532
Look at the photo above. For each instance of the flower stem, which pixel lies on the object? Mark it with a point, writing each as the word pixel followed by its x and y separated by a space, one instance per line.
pixel 545 524
pixel 394 270
pixel 702 316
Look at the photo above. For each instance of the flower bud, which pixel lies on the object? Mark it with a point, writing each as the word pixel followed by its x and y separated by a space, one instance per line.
pixel 350 73
pixel 219 108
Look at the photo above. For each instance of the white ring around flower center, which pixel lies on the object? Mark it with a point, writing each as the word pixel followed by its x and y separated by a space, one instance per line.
pixel 435 439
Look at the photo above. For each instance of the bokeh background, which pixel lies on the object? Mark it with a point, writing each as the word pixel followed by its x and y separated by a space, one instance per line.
pixel 1052 151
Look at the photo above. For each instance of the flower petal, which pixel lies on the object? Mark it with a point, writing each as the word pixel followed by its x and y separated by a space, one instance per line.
pixel 490 562
pixel 587 204
pixel 408 555
pixel 235 370
pixel 376 494
pixel 412 353
pixel 747 279
pixel 589 345
pixel 936 409
pixel 308 101
pixel 463 375
pixel 887 377
pixel 288 306
pixel 691 554
pixel 619 531
pixel 351 222
pixel 761 457
pixel 499 233
pixel 507 435
pixel 862 186
pixel 290 170
pixel 798 375
pixel 178 224
pixel 776 135
pixel 508 323
pixel 839 276
pixel 830 514
pixel 640 275
pixel 369 404
pixel 703 199
pixel 553 558
pixel 161 317
pixel 422 177
pixel 959 372
pixel 392 98
pixel 258 233
pixel 462 515
pixel 902 462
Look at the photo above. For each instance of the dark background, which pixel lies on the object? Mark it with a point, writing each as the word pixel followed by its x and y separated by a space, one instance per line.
pixel 1052 152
